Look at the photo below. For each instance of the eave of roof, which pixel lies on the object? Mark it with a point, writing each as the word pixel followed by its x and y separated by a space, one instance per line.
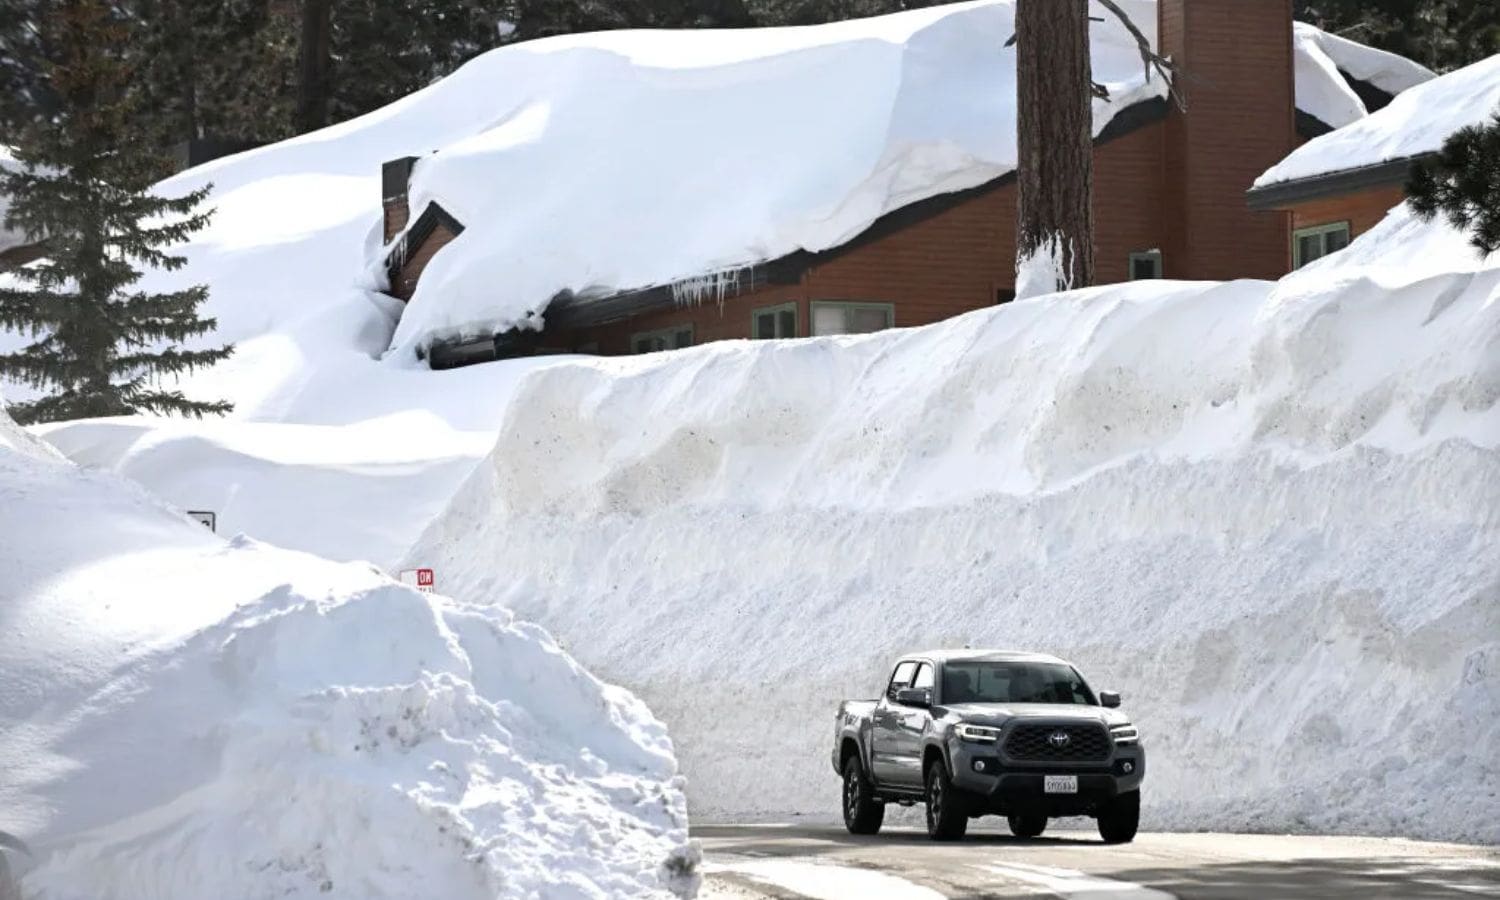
pixel 1284 194
pixel 420 230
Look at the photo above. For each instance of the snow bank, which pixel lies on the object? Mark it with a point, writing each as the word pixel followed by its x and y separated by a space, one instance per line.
pixel 186 717
pixel 1266 512
pixel 1416 122
pixel 359 488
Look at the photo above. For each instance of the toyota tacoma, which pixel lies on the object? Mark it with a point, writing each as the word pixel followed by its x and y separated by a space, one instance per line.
pixel 978 732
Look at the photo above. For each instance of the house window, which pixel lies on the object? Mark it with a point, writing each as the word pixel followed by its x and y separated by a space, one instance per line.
pixel 1317 242
pixel 662 339
pixel 774 322
pixel 830 317
pixel 1146 264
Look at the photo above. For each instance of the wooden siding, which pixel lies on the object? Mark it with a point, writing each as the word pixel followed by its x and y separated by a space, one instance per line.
pixel 405 282
pixel 1363 210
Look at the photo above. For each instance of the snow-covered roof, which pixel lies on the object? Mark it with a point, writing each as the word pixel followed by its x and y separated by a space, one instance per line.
pixel 1415 123
pixel 1322 92
pixel 600 163
pixel 604 163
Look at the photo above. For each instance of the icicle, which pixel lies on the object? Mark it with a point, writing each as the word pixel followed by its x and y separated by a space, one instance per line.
pixel 718 286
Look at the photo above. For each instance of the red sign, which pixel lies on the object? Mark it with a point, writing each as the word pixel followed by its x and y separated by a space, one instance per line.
pixel 421 579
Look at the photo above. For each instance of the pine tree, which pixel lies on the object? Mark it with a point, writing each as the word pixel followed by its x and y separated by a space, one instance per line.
pixel 1440 34
pixel 85 190
pixel 1463 183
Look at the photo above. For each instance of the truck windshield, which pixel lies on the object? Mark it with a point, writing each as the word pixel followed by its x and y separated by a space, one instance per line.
pixel 1013 682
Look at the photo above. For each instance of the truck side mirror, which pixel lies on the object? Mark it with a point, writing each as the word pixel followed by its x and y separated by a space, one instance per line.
pixel 921 698
pixel 1110 699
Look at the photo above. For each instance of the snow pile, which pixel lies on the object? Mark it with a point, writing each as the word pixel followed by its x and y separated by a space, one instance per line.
pixel 1416 122
pixel 359 485
pixel 189 717
pixel 1266 512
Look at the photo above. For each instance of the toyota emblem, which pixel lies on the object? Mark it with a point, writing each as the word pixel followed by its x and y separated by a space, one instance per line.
pixel 1059 739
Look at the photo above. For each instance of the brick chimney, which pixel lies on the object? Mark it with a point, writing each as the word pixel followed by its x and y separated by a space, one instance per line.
pixel 1236 56
pixel 395 176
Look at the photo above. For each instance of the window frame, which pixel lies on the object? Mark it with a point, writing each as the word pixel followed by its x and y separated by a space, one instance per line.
pixel 776 310
pixel 812 314
pixel 890 685
pixel 1154 256
pixel 669 332
pixel 1319 231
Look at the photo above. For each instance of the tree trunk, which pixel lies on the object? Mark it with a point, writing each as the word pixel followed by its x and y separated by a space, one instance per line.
pixel 1055 162
pixel 313 64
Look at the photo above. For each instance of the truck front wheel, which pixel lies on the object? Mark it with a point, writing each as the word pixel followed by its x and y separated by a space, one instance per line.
pixel 947 817
pixel 1120 817
pixel 862 812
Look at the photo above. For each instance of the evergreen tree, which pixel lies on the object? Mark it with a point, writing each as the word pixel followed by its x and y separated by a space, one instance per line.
pixel 1440 34
pixel 85 190
pixel 1463 183
pixel 218 69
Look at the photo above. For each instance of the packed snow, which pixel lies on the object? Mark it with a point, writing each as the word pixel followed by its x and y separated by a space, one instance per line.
pixel 185 716
pixel 1416 122
pixel 1264 511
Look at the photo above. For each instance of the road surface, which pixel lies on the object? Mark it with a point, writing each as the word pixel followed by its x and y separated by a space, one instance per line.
pixel 748 862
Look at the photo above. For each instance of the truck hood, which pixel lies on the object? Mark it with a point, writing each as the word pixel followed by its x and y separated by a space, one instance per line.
pixel 999 713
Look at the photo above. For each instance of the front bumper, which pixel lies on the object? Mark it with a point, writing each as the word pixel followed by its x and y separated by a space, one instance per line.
pixel 1004 786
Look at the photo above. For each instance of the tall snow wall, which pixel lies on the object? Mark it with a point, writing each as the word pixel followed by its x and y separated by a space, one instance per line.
pixel 1266 513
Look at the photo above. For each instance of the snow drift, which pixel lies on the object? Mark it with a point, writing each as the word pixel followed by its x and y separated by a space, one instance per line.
pixel 1265 512
pixel 1416 122
pixel 189 717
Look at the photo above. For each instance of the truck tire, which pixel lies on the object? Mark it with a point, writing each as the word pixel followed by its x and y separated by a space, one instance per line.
pixel 1119 819
pixel 1028 825
pixel 862 812
pixel 947 815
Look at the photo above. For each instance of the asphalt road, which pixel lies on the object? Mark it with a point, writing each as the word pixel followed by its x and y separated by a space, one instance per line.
pixel 747 861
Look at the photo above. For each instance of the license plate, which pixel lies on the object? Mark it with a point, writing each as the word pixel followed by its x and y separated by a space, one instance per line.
pixel 1059 784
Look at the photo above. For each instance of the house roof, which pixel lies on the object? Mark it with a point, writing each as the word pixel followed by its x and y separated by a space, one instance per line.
pixel 1380 148
pixel 602 169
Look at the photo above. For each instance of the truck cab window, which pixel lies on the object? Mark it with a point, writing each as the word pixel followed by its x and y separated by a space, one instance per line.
pixel 923 678
pixel 900 678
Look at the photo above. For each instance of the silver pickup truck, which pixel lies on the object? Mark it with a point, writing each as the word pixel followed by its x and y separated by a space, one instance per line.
pixel 989 732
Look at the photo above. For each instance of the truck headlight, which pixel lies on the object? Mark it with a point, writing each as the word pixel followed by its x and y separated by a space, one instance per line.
pixel 1125 735
pixel 979 734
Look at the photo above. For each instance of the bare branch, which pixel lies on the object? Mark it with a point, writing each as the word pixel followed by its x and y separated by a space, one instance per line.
pixel 1149 57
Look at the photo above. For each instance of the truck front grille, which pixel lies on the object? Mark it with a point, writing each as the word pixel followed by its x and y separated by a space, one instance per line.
pixel 1072 743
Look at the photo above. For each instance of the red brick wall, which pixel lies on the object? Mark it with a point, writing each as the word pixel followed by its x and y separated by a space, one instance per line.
pixel 1240 121
pixel 942 266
